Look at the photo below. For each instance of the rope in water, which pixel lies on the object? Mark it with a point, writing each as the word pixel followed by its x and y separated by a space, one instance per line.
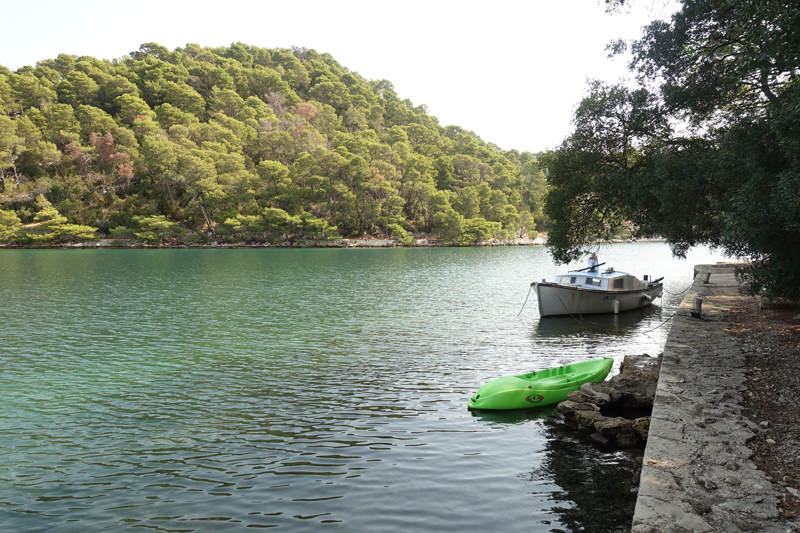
pixel 677 293
pixel 658 326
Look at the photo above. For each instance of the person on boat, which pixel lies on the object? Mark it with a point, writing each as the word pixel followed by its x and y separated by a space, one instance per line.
pixel 593 262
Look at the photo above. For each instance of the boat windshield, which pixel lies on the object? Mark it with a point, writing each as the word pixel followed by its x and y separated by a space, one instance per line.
pixel 583 281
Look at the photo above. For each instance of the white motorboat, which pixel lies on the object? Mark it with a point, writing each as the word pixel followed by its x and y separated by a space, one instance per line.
pixel 583 292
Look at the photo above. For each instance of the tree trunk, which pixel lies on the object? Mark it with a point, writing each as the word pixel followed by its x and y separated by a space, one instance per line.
pixel 167 191
pixel 205 215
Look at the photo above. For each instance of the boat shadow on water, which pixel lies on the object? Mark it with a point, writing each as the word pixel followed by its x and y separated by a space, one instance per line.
pixel 621 324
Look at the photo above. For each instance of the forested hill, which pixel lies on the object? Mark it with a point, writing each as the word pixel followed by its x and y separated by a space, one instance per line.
pixel 244 142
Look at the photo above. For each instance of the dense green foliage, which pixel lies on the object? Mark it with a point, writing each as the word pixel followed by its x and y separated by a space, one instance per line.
pixel 705 151
pixel 245 142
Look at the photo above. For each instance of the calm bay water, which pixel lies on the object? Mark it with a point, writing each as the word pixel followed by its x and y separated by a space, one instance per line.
pixel 218 390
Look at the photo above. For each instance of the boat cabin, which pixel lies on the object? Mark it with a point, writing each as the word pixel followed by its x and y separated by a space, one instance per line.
pixel 609 280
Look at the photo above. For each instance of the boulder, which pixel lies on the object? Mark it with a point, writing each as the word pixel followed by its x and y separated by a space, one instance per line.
pixel 642 367
pixel 595 396
pixel 642 426
pixel 568 408
pixel 607 388
pixel 587 394
pixel 616 412
pixel 630 388
pixel 611 427
pixel 586 420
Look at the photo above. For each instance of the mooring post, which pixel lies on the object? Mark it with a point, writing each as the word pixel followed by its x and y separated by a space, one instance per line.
pixel 697 308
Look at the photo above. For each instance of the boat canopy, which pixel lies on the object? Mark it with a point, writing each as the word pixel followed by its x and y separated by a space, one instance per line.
pixel 609 280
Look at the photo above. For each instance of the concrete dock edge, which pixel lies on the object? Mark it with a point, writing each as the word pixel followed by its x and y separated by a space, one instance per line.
pixel 697 474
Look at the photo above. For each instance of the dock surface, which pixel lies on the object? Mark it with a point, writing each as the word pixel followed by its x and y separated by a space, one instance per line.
pixel 697 473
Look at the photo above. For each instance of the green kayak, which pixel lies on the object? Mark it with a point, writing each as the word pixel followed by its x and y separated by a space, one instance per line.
pixel 543 387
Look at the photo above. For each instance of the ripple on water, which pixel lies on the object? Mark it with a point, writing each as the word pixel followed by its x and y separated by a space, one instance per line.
pixel 183 390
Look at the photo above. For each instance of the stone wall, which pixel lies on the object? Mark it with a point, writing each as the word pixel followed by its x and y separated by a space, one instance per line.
pixel 697 474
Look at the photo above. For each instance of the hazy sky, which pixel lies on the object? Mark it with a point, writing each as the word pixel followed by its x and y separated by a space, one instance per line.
pixel 511 71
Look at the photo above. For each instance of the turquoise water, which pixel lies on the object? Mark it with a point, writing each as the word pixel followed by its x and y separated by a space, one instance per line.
pixel 210 390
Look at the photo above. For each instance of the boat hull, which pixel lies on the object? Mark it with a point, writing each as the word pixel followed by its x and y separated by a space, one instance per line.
pixel 540 388
pixel 565 300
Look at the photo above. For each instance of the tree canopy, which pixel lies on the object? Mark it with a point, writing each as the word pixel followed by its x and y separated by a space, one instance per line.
pixel 247 143
pixel 705 150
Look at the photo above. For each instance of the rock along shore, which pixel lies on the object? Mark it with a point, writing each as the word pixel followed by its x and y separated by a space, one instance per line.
pixel 616 413
pixel 338 243
pixel 219 244
pixel 697 473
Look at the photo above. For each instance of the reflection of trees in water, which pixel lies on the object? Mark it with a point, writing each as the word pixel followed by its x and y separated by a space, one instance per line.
pixel 591 488
pixel 596 485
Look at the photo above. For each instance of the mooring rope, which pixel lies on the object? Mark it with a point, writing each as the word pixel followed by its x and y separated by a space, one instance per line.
pixel 677 293
pixel 565 307
pixel 526 299
pixel 559 299
pixel 658 326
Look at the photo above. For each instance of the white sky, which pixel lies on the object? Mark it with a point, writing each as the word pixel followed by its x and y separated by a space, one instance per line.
pixel 512 71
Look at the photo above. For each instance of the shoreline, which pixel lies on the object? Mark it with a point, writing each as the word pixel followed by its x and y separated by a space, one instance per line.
pixel 341 243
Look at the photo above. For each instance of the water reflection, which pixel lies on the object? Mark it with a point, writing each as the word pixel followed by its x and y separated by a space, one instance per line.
pixel 588 488
pixel 589 479
pixel 174 390
pixel 515 416
pixel 621 324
